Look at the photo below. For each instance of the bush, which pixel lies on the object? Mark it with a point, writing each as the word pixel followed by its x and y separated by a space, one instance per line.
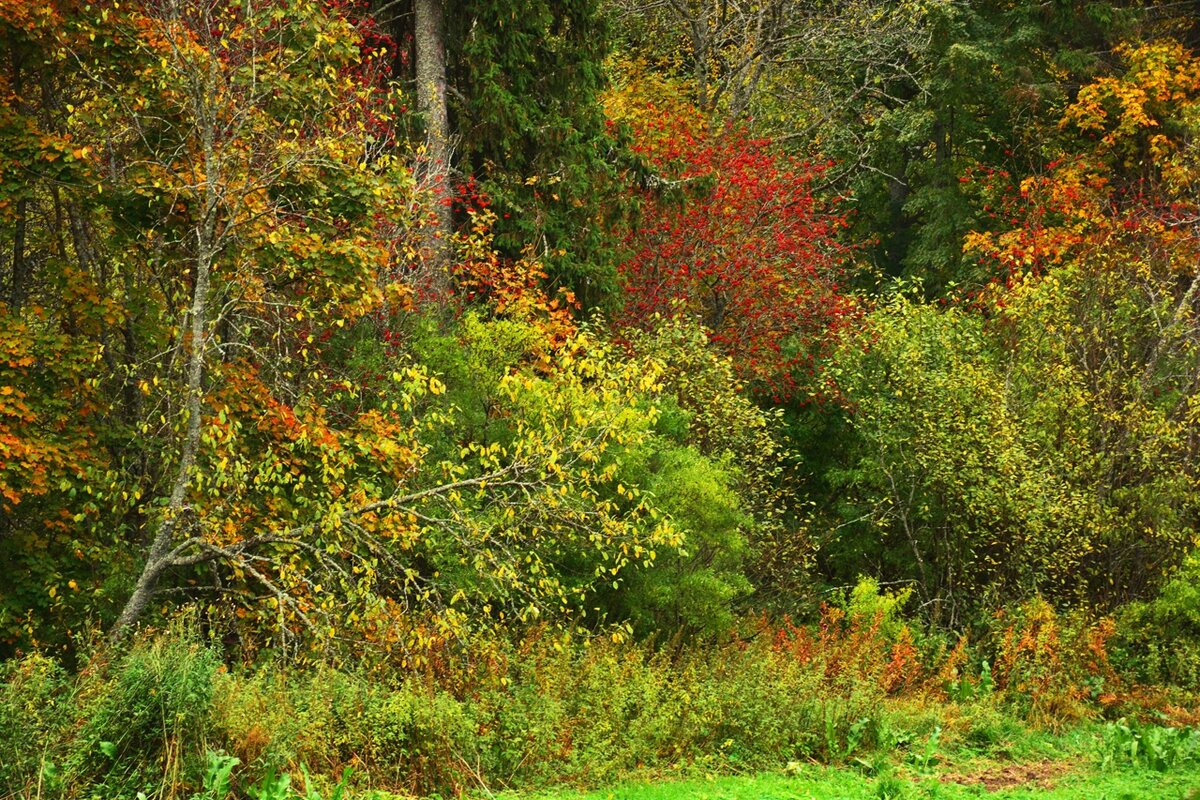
pixel 551 707
pixel 419 738
pixel 1158 641
pixel 988 465
pixel 692 589
pixel 593 715
pixel 1049 666
pixel 409 736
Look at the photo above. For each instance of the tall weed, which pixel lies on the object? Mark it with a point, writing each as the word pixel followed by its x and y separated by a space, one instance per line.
pixel 35 710
pixel 145 725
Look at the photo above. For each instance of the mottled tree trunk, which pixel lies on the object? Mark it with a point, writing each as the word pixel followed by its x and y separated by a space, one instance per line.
pixel 434 166
pixel 163 548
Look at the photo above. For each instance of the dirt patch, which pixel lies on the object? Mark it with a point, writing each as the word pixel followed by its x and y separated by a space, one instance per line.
pixel 1042 774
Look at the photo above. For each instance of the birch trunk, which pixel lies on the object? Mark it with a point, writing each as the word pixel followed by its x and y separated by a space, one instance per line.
pixel 161 553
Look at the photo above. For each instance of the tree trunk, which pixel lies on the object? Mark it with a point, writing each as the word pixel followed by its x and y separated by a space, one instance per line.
pixel 163 549
pixel 434 166
pixel 160 556
pixel 19 288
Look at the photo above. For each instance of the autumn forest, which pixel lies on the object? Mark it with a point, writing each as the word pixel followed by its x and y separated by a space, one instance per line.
pixel 439 398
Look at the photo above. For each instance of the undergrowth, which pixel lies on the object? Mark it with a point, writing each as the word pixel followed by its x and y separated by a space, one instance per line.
pixel 858 687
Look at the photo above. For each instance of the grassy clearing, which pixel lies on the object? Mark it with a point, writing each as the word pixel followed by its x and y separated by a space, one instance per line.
pixel 1048 780
pixel 1089 762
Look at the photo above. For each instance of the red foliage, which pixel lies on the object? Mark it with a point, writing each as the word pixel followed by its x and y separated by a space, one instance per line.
pixel 748 250
pixel 850 650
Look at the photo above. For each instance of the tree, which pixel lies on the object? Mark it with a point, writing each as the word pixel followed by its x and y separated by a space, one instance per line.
pixel 508 92
pixel 730 49
pixel 717 466
pixel 57 334
pixel 401 527
pixel 236 317
pixel 740 242
pixel 903 97
pixel 217 143
pixel 1036 437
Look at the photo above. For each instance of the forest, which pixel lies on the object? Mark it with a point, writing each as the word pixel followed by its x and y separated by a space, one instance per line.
pixel 715 399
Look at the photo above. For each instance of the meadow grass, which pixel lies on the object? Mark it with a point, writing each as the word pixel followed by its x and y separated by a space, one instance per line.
pixel 1020 764
pixel 1045 781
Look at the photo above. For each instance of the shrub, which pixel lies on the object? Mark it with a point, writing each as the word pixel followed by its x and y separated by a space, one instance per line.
pixel 552 707
pixel 1158 641
pixel 1048 666
pixel 417 738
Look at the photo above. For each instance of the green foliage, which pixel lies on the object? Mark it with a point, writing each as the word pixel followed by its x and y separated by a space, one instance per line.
pixel 548 707
pixel 527 77
pixel 695 588
pixel 683 468
pixel 417 737
pixel 461 543
pixel 717 416
pixel 937 437
pixel 913 98
pixel 472 359
pixel 983 458
pixel 148 721
pixel 271 786
pixel 133 725
pixel 867 604
pixel 1158 640
pixel 736 450
pixel 1153 747
pixel 217 775
pixel 558 711
pixel 532 712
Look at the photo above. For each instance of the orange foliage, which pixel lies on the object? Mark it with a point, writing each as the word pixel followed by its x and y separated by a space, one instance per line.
pixel 851 650
pixel 44 439
pixel 513 289
pixel 1136 114
pixel 903 667
pixel 1126 203
pixel 1053 666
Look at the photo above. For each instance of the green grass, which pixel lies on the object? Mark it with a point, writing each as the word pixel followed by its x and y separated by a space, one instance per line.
pixel 818 783
pixel 995 758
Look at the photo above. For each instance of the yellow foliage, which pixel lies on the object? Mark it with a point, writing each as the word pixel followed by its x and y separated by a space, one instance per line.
pixel 642 99
pixel 1146 115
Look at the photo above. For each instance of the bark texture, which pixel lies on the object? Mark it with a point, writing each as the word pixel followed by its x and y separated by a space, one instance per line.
pixel 434 166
